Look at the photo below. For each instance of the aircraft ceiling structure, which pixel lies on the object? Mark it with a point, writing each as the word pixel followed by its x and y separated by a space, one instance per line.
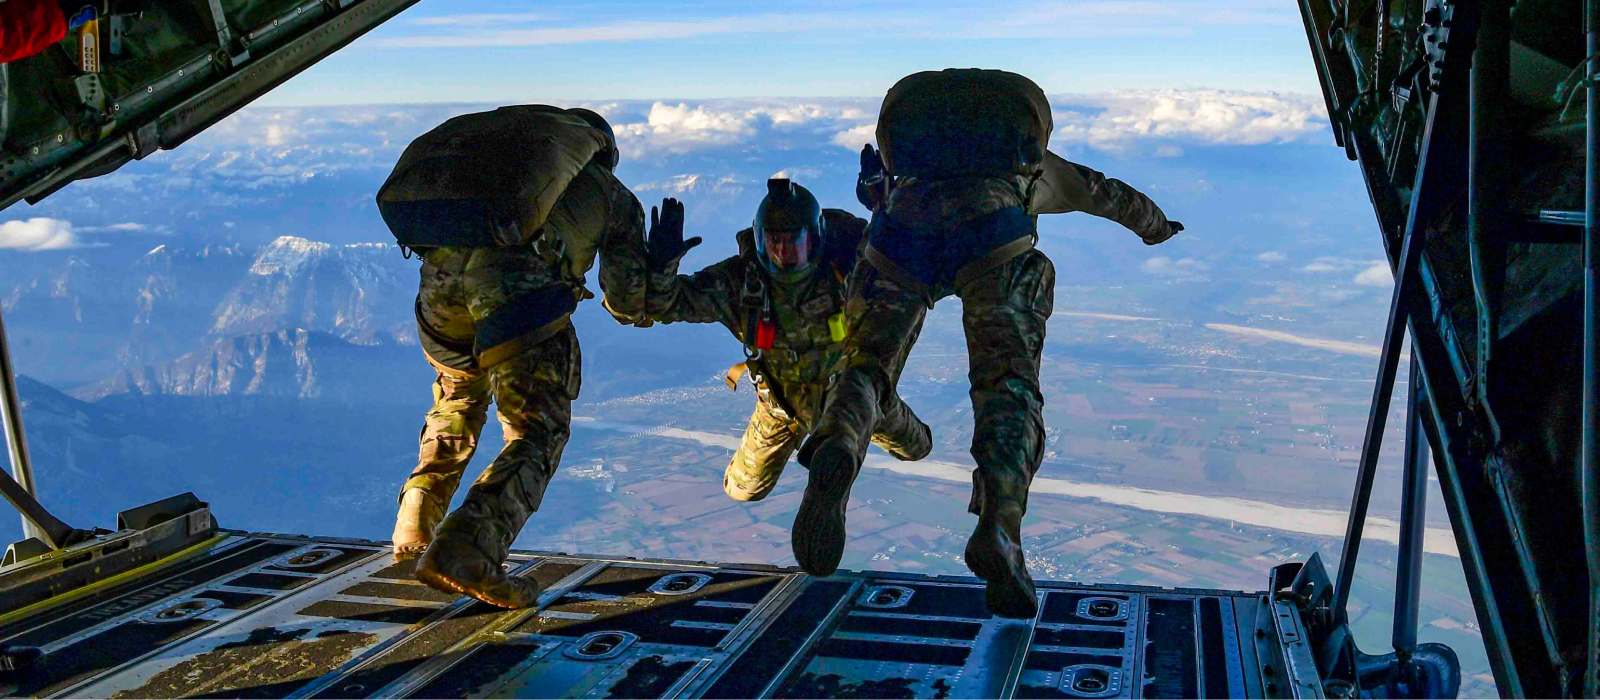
pixel 126 86
pixel 1474 124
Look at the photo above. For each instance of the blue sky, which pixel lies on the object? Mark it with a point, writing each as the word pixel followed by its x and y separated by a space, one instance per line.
pixel 506 51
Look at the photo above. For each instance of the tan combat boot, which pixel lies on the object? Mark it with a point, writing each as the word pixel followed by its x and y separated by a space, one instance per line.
pixel 995 555
pixel 419 515
pixel 457 563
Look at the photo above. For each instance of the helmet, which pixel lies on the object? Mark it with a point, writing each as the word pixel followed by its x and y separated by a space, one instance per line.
pixel 613 156
pixel 788 227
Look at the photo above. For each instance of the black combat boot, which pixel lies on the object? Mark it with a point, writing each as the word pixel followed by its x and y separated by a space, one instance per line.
pixel 995 555
pixel 903 435
pixel 818 534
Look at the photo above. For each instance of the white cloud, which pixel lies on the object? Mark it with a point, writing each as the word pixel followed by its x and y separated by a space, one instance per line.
pixel 854 137
pixel 38 233
pixel 1272 256
pixel 1157 265
pixel 1167 267
pixel 125 227
pixel 1208 117
pixel 1378 275
pixel 685 126
pixel 695 183
pixel 1327 264
pixel 1168 151
pixel 479 20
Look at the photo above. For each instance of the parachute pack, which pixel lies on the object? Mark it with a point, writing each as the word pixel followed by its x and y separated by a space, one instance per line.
pixel 489 178
pixel 963 122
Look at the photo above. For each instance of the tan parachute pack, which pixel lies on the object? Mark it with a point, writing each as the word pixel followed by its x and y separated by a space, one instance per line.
pixel 490 178
pixel 961 121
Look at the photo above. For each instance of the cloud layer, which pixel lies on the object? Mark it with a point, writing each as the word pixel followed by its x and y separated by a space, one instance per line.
pixel 299 142
pixel 1112 122
pixel 38 233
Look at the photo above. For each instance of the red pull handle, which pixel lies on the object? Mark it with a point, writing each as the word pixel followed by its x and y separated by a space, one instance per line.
pixel 765 334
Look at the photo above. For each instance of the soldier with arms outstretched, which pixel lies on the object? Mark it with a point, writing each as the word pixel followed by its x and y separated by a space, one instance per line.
pixel 964 174
pixel 507 210
pixel 782 296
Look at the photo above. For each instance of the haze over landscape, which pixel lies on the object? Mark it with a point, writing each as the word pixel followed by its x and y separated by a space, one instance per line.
pixel 232 318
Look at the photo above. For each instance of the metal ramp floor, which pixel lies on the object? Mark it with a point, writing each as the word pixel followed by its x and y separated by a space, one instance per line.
pixel 258 615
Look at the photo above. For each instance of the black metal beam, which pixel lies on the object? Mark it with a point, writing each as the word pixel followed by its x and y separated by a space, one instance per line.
pixel 1413 517
pixel 1317 16
pixel 1491 85
pixel 1591 349
pixel 1443 155
pixel 1507 611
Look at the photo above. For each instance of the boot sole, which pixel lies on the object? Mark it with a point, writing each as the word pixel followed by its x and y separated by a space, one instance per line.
pixel 1010 592
pixel 440 582
pixel 818 535
pixel 409 552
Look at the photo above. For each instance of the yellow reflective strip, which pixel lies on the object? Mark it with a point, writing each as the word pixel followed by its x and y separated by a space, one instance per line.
pixel 114 580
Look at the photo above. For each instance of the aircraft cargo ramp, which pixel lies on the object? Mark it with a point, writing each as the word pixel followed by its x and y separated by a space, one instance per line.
pixel 235 614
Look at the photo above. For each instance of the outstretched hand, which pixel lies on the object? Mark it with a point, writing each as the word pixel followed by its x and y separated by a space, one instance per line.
pixel 869 181
pixel 666 243
pixel 1173 227
pixel 871 162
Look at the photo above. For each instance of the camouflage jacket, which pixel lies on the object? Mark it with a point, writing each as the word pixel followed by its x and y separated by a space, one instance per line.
pixel 734 292
pixel 1063 187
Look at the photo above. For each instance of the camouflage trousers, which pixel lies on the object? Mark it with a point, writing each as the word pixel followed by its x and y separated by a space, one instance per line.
pixel 1004 313
pixel 532 390
pixel 772 436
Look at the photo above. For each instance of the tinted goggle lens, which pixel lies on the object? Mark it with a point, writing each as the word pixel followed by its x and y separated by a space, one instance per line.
pixel 789 250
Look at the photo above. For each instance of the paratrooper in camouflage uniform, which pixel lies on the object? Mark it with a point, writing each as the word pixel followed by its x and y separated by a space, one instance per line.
pixel 642 287
pixel 963 191
pixel 507 210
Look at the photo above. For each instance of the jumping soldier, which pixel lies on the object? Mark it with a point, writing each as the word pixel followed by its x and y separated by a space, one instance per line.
pixel 782 296
pixel 963 176
pixel 507 210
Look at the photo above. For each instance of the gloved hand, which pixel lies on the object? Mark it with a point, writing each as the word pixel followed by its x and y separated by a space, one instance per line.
pixel 869 184
pixel 1173 227
pixel 666 243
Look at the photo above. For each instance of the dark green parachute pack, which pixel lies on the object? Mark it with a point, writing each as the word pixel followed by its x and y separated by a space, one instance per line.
pixel 963 122
pixel 491 178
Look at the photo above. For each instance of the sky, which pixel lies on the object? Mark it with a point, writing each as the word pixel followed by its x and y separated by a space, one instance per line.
pixel 508 51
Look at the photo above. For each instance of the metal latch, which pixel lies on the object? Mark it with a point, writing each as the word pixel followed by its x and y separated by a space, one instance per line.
pixel 180 610
pixel 682 583
pixel 885 597
pixel 597 646
pixel 1091 681
pixel 307 559
pixel 1103 609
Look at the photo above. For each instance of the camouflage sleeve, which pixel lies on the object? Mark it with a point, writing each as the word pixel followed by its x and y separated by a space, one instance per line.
pixel 1068 187
pixel 623 266
pixel 708 296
